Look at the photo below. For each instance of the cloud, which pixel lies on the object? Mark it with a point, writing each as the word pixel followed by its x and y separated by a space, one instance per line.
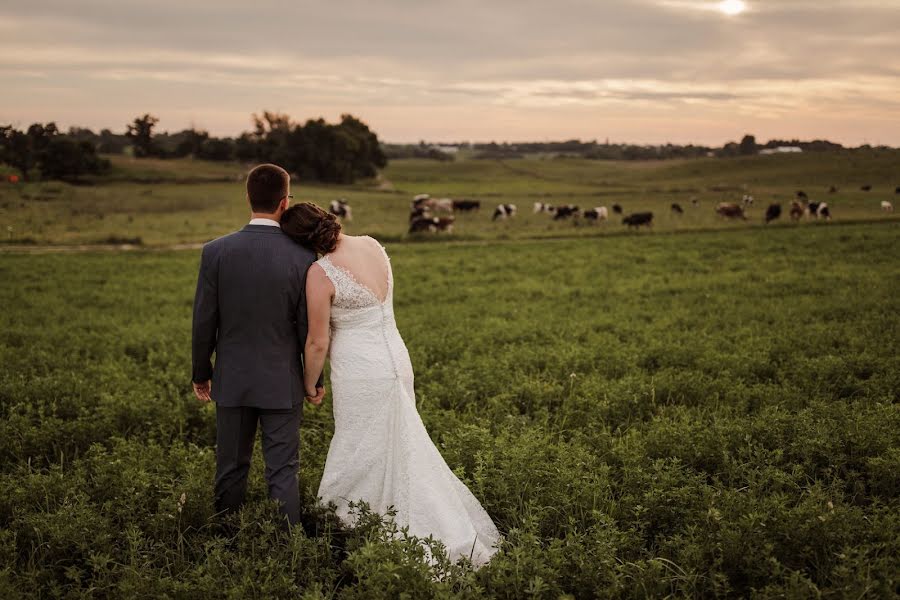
pixel 648 57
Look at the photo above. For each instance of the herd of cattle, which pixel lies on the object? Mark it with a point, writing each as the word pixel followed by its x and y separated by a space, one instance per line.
pixel 429 214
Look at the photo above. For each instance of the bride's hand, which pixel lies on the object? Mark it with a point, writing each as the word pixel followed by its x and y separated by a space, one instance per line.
pixel 316 398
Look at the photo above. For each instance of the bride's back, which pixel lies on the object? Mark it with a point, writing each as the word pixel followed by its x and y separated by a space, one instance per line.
pixel 363 258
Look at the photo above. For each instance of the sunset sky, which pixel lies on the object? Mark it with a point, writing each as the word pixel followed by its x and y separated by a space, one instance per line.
pixel 643 71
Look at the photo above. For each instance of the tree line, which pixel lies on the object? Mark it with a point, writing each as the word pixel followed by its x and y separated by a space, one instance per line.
pixel 43 149
pixel 315 150
pixel 593 149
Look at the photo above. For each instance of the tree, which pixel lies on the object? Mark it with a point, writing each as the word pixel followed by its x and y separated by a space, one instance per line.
pixel 42 148
pixel 140 132
pixel 191 142
pixel 316 150
pixel 67 159
pixel 216 149
pixel 111 143
pixel 748 145
pixel 22 150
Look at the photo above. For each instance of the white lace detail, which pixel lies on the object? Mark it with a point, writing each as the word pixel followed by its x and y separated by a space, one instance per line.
pixel 381 451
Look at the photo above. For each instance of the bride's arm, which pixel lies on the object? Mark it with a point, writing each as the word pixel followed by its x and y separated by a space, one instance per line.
pixel 319 292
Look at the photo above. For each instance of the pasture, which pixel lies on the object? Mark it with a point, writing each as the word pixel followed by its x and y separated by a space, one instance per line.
pixel 161 203
pixel 709 414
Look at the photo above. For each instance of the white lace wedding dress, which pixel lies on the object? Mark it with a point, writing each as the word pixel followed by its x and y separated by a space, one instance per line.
pixel 381 452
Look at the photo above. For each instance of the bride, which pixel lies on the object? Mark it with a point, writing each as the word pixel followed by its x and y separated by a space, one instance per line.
pixel 380 452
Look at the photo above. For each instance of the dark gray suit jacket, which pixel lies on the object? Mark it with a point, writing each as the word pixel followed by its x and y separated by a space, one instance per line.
pixel 250 309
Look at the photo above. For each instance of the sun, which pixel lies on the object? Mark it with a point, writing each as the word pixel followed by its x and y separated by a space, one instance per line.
pixel 732 7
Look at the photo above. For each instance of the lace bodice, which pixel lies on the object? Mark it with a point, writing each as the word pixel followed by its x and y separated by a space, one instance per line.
pixel 349 293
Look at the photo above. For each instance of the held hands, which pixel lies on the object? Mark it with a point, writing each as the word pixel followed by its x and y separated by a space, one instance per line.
pixel 202 390
pixel 316 398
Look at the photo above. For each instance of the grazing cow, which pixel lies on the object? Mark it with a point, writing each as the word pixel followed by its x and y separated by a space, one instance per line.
pixel 340 208
pixel 445 224
pixel 424 201
pixel 832 190
pixel 504 211
pixel 801 195
pixel 564 212
pixel 796 210
pixel 420 224
pixel 695 201
pixel 466 205
pixel 676 208
pixel 747 199
pixel 444 204
pixel 431 224
pixel 730 210
pixel 421 211
pixel 637 219
pixel 598 213
pixel 818 210
pixel 866 188
pixel 617 209
pixel 773 212
pixel 540 207
pixel 887 206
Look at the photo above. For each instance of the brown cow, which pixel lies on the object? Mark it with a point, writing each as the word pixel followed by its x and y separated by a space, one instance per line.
pixel 730 210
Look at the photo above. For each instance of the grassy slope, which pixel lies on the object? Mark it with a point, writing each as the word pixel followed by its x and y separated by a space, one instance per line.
pixel 697 414
pixel 169 202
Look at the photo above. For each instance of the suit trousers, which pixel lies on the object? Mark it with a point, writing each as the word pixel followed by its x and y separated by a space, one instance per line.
pixel 235 435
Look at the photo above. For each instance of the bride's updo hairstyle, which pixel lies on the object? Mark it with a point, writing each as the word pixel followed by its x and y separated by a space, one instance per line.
pixel 312 227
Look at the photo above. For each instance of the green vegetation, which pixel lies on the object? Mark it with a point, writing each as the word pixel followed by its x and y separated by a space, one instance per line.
pixel 164 202
pixel 697 415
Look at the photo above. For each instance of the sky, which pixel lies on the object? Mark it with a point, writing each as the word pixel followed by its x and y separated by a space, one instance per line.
pixel 638 71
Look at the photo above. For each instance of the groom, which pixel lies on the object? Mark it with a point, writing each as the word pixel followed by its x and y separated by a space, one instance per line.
pixel 250 309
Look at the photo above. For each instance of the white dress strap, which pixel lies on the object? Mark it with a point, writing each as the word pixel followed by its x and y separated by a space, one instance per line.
pixel 387 264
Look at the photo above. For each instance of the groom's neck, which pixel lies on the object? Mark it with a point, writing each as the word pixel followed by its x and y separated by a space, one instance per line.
pixel 276 216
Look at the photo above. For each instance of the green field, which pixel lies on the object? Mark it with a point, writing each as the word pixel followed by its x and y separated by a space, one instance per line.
pixel 167 202
pixel 709 414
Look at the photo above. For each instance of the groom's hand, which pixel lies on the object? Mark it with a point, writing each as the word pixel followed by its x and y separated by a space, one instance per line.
pixel 202 390
pixel 317 398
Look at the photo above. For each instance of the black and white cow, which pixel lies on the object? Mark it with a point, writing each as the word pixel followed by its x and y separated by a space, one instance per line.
pixel 504 211
pixel 341 208
pixel 566 211
pixel 598 213
pixel 637 219
pixel 466 205
pixel 818 210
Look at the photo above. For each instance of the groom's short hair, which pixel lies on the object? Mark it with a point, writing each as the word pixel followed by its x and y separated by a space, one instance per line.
pixel 267 185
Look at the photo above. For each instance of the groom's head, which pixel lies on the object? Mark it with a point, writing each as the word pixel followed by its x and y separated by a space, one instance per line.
pixel 268 189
